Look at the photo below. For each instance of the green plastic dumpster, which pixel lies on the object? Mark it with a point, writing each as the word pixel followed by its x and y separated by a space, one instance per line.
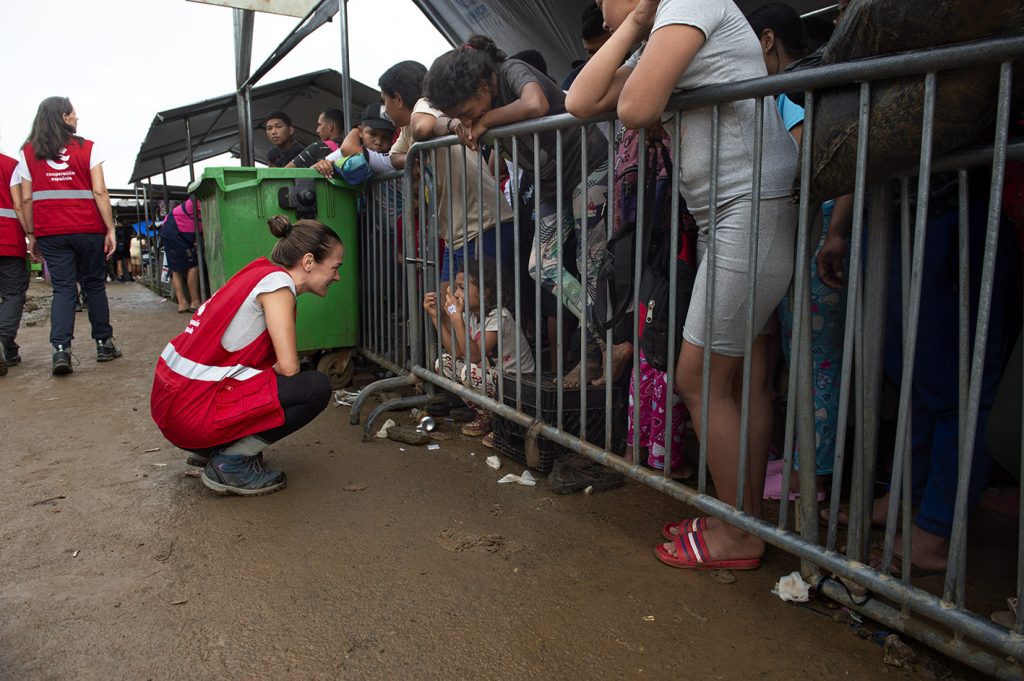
pixel 236 203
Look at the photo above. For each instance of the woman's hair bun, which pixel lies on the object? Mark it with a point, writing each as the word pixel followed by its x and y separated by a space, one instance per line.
pixel 280 225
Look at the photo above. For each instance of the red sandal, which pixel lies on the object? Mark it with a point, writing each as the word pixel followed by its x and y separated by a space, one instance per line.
pixel 692 554
pixel 683 527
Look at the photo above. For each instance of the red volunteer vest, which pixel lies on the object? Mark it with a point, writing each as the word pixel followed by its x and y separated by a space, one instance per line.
pixel 12 238
pixel 204 395
pixel 62 198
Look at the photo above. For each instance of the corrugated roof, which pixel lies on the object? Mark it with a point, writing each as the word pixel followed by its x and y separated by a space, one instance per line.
pixel 214 122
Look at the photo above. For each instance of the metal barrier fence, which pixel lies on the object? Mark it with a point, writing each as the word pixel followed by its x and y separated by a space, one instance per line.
pixel 403 263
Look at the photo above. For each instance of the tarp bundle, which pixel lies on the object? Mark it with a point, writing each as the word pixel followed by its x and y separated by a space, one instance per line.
pixel 965 108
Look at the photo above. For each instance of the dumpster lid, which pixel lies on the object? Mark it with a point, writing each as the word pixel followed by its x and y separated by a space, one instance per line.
pixel 214 122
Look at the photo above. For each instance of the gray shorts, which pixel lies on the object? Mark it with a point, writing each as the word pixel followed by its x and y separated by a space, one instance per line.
pixel 733 238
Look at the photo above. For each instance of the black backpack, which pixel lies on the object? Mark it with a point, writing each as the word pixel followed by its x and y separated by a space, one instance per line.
pixel 618 270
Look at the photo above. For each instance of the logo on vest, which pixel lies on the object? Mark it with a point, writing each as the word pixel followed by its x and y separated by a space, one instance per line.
pixel 64 158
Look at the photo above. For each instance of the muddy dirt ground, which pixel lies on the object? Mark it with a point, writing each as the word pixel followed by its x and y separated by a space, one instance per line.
pixel 372 564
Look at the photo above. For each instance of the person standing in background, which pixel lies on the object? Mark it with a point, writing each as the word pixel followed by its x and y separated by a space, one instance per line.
pixel 13 269
pixel 178 234
pixel 122 252
pixel 69 220
pixel 281 134
pixel 330 128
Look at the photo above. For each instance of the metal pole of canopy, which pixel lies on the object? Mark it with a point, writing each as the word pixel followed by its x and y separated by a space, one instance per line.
pixel 188 143
pixel 346 81
pixel 244 22
pixel 200 235
pixel 167 193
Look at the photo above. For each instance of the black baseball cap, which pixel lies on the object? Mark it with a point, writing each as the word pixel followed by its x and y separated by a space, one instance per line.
pixel 377 118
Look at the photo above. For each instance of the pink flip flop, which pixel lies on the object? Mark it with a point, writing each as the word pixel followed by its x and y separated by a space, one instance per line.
pixel 692 554
pixel 773 483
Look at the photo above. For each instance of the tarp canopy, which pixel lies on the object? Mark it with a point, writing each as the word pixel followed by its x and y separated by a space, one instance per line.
pixel 214 122
pixel 550 26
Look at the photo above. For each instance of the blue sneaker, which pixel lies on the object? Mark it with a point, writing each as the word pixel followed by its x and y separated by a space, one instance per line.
pixel 243 475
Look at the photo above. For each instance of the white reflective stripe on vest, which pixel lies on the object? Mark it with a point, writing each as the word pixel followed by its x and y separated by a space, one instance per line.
pixel 7 213
pixel 47 194
pixel 201 372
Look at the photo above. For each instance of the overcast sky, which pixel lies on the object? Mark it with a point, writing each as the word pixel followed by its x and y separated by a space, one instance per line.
pixel 121 61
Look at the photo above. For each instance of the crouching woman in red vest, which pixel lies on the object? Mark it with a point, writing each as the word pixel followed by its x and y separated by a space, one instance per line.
pixel 230 383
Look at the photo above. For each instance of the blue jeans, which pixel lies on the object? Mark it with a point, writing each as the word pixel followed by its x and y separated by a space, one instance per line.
pixel 74 259
pixel 935 393
pixel 490 249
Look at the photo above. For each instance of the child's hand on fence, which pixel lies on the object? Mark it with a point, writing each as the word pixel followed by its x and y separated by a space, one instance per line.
pixel 430 304
pixel 465 135
pixel 452 305
pixel 325 168
pixel 479 130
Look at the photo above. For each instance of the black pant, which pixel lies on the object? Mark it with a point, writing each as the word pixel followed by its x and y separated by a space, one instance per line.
pixel 13 285
pixel 75 258
pixel 302 396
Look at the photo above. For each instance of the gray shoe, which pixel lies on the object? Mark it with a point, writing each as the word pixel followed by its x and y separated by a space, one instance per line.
pixel 61 361
pixel 243 475
pixel 106 350
pixel 3 361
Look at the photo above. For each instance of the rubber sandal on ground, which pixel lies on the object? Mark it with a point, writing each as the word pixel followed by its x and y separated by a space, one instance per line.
pixel 692 554
pixel 773 483
pixel 684 526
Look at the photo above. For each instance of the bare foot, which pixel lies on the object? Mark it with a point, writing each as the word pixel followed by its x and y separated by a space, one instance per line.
pixel 727 543
pixel 879 512
pixel 574 378
pixel 622 354
pixel 929 553
pixel 710 523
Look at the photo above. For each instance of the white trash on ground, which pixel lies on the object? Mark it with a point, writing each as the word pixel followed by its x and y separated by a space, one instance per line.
pixel 494 462
pixel 792 587
pixel 345 398
pixel 383 432
pixel 525 479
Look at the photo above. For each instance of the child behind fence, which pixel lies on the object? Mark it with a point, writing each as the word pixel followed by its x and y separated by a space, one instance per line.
pixel 459 317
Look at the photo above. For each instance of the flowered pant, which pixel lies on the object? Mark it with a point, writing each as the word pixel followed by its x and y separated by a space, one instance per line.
pixel 546 244
pixel 828 318
pixel 651 432
pixel 454 368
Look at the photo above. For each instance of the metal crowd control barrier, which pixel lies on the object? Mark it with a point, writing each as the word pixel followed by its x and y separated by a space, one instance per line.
pixel 384 304
pixel 399 332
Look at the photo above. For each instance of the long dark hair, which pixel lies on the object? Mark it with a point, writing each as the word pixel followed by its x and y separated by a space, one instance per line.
pixel 489 286
pixel 300 238
pixel 785 23
pixel 455 76
pixel 50 133
pixel 406 79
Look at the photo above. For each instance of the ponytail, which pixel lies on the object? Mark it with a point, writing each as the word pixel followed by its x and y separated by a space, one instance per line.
pixel 455 76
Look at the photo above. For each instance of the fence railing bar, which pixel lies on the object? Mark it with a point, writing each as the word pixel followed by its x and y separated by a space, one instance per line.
pixel 911 314
pixel 957 543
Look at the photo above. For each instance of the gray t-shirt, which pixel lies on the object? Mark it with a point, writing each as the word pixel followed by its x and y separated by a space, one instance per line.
pixel 513 75
pixel 731 53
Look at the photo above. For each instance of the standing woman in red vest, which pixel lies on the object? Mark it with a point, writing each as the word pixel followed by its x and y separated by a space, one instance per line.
pixel 69 220
pixel 13 269
pixel 230 384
